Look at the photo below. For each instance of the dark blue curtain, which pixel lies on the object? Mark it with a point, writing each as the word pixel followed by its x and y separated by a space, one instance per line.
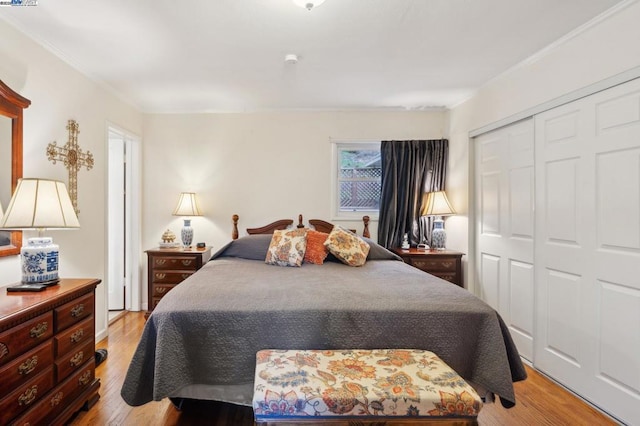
pixel 409 169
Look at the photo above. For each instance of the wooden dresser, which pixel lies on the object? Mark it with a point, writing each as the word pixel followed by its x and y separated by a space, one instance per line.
pixel 445 264
pixel 47 347
pixel 168 267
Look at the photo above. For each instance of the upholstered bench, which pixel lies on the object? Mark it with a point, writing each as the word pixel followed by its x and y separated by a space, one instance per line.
pixel 363 387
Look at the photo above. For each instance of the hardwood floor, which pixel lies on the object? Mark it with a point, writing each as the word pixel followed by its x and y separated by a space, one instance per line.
pixel 539 401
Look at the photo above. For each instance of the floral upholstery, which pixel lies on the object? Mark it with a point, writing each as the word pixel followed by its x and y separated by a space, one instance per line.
pixel 347 246
pixel 374 383
pixel 287 247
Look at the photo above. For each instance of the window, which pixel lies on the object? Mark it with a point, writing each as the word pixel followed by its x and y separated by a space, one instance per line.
pixel 357 177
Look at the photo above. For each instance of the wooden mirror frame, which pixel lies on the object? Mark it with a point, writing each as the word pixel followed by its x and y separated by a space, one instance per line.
pixel 12 106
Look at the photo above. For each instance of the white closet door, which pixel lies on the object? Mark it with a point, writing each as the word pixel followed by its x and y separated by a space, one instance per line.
pixel 504 229
pixel 588 248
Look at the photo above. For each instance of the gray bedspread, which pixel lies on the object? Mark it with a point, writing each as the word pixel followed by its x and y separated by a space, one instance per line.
pixel 208 329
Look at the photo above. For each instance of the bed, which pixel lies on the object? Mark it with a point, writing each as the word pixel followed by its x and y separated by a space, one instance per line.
pixel 201 340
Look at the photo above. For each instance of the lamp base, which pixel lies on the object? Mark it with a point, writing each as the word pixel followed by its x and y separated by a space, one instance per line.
pixel 438 235
pixel 40 259
pixel 187 233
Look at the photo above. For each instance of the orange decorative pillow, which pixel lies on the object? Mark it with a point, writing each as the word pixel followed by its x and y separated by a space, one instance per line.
pixel 347 246
pixel 287 247
pixel 316 251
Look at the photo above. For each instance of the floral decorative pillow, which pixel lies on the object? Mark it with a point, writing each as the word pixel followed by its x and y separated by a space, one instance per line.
pixel 287 247
pixel 316 251
pixel 347 247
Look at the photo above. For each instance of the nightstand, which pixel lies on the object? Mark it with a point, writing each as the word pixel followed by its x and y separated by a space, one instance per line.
pixel 168 267
pixel 445 264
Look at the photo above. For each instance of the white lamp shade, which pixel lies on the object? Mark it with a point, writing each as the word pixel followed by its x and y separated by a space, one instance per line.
pixel 187 205
pixel 436 204
pixel 40 204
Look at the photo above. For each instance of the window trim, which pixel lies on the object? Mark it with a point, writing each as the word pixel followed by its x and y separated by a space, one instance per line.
pixel 336 147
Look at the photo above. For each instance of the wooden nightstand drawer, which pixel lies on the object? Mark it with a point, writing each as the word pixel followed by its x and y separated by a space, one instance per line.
pixel 168 267
pixel 25 336
pixel 434 264
pixel 159 290
pixel 445 264
pixel 182 263
pixel 169 277
pixel 451 276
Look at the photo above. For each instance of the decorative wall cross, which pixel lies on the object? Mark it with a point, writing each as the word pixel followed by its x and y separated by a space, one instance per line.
pixel 73 159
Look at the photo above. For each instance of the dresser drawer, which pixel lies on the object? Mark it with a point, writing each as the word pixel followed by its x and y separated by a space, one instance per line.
pixel 169 277
pixel 448 276
pixel 58 399
pixel 434 264
pixel 22 369
pixel 159 290
pixel 72 361
pixel 25 336
pixel 73 312
pixel 176 263
pixel 25 395
pixel 74 336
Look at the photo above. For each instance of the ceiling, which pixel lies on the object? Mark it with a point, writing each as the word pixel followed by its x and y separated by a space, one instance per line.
pixel 228 55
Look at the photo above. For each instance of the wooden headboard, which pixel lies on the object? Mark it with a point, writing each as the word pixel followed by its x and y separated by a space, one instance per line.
pixel 318 224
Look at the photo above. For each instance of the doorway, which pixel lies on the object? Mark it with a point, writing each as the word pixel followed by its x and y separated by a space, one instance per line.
pixel 123 222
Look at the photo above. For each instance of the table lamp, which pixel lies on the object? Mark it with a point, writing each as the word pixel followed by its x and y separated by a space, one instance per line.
pixel 437 204
pixel 39 204
pixel 187 206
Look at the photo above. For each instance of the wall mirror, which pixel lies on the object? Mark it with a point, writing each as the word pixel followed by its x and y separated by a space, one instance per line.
pixel 11 108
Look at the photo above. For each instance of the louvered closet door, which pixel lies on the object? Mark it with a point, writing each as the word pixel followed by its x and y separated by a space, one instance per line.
pixel 504 228
pixel 588 248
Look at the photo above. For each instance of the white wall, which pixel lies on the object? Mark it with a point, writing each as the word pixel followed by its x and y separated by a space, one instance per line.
pixel 58 93
pixel 261 166
pixel 600 51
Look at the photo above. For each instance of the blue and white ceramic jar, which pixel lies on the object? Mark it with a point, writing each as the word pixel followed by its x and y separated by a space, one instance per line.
pixel 40 261
pixel 438 235
pixel 187 233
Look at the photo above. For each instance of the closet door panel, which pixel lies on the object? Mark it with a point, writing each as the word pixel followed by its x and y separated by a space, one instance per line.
pixel 587 231
pixel 561 232
pixel 618 191
pixel 504 236
pixel 616 252
pixel 620 309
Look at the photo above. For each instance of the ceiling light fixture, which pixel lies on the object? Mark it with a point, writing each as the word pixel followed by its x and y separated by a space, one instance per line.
pixel 291 58
pixel 308 4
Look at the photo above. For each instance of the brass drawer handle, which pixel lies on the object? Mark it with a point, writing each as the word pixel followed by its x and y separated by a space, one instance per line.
pixel 55 399
pixel 161 290
pixel 38 330
pixel 4 350
pixel 84 379
pixel 160 262
pixel 77 310
pixel 187 262
pixel 447 264
pixel 76 360
pixel 185 276
pixel 28 366
pixel 77 336
pixel 160 276
pixel 28 396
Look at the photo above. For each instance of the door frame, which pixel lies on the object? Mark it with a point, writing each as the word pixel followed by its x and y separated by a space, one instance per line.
pixel 133 196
